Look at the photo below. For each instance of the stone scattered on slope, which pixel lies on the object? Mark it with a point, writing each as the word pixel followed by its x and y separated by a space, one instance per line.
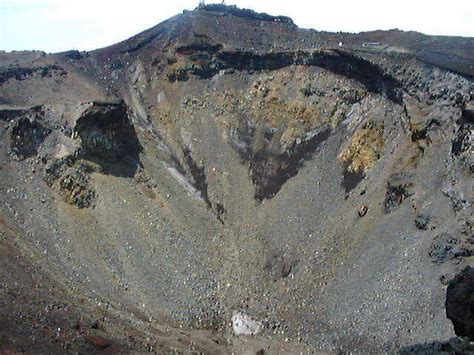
pixel 242 324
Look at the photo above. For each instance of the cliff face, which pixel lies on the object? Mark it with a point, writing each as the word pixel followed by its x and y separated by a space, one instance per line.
pixel 226 161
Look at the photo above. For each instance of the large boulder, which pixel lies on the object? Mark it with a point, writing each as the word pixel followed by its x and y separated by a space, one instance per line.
pixel 460 303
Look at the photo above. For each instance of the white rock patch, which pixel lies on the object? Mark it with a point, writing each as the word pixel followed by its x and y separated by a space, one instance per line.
pixel 160 97
pixel 244 325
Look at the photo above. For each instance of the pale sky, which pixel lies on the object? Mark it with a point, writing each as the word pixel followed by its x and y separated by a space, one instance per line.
pixel 58 25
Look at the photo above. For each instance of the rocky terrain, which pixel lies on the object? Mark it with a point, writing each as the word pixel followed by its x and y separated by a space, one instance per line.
pixel 226 182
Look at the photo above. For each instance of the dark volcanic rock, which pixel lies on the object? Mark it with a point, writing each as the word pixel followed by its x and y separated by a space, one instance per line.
pixel 74 187
pixel 75 55
pixel 55 168
pixel 398 189
pixel 12 113
pixel 106 132
pixel 22 73
pixel 458 202
pixel 339 62
pixel 460 303
pixel 461 147
pixel 449 347
pixel 421 222
pixel 26 135
pixel 446 247
pixel 69 177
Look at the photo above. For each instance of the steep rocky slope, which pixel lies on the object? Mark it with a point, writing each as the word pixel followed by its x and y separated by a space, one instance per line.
pixel 226 161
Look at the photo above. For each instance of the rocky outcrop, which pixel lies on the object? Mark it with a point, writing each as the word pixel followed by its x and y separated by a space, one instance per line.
pixel 70 178
pixel 245 13
pixel 447 247
pixel 360 156
pixel 451 346
pixel 75 55
pixel 75 188
pixel 12 113
pixel 106 133
pixel 22 73
pixel 27 133
pixel 104 141
pixel 339 62
pixel 460 303
pixel 399 188
pixel 462 143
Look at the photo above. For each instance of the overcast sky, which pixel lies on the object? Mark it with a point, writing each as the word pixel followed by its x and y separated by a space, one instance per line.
pixel 57 25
